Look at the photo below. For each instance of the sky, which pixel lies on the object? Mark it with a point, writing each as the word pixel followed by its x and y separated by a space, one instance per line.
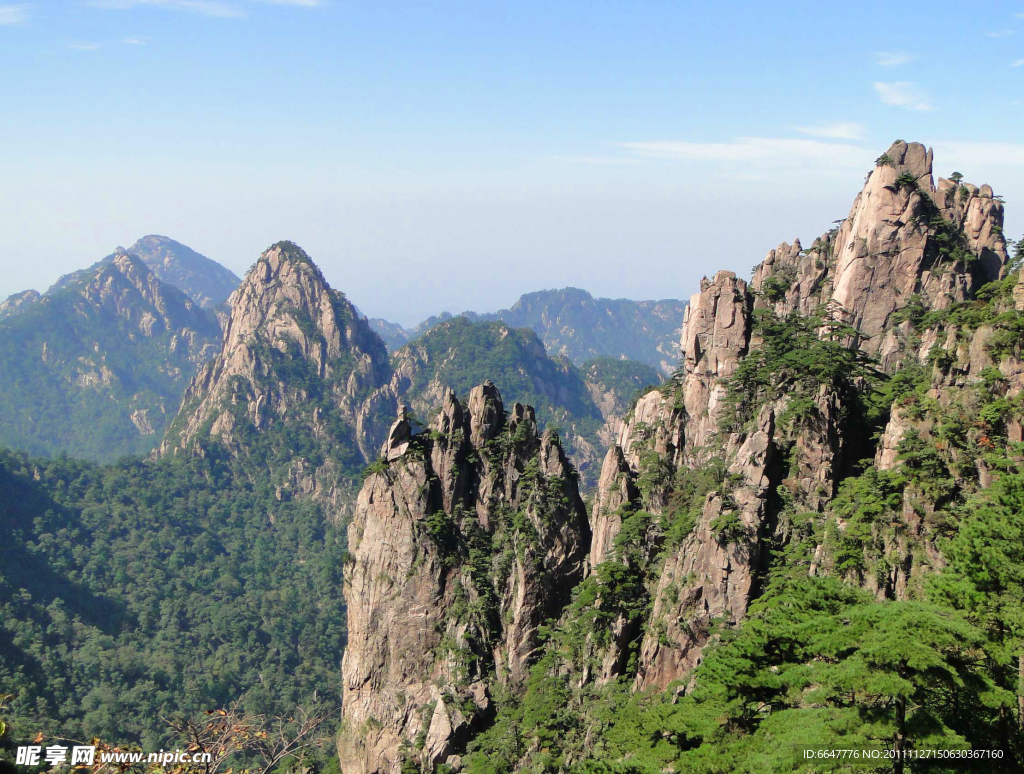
pixel 438 155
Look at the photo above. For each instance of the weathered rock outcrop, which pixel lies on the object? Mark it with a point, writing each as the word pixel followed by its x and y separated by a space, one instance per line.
pixel 906 245
pixel 465 539
pixel 295 353
pixel 18 302
pixel 904 242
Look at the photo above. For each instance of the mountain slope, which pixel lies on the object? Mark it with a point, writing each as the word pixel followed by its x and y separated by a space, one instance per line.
pixel 287 394
pixel 573 323
pixel 97 368
pixel 203 280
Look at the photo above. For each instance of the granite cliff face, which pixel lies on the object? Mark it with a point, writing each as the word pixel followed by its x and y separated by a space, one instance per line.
pixel 97 368
pixel 295 356
pixel 466 538
pixel 874 360
pixel 905 241
pixel 906 248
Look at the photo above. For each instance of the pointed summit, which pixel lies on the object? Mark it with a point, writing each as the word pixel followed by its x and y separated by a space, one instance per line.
pixel 98 367
pixel 295 356
pixel 203 280
pixel 905 241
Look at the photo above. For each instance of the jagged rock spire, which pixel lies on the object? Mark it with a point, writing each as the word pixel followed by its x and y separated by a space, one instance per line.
pixel 463 546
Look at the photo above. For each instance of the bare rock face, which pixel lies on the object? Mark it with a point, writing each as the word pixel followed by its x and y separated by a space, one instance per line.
pixel 904 243
pixel 294 352
pixel 18 302
pixel 889 249
pixel 466 541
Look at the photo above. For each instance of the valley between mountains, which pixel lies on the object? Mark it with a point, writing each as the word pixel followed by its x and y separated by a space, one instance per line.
pixel 575 535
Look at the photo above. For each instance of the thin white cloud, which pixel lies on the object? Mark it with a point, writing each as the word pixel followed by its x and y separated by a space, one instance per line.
pixel 840 130
pixel 300 3
pixel 215 8
pixel 1017 63
pixel 13 14
pixel 761 158
pixel 999 34
pixel 893 58
pixel 902 94
pixel 84 46
pixel 134 41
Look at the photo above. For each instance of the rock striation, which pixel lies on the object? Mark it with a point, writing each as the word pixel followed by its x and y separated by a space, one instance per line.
pixel 907 247
pixel 295 355
pixel 466 538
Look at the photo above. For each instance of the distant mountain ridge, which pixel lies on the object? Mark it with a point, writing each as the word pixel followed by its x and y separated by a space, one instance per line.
pixel 585 402
pixel 97 367
pixel 200 278
pixel 571 322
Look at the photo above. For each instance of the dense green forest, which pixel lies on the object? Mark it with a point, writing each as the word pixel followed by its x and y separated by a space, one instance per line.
pixel 142 590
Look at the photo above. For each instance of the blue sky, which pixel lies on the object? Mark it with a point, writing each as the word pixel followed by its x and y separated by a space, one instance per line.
pixel 445 155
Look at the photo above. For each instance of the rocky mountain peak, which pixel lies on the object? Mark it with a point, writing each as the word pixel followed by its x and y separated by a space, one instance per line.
pixel 203 280
pixel 126 287
pixel 295 353
pixel 904 242
pixel 285 300
pixel 108 353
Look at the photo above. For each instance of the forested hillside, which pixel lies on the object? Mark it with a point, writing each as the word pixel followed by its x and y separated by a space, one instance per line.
pixel 140 591
pixel 573 323
pixel 97 369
